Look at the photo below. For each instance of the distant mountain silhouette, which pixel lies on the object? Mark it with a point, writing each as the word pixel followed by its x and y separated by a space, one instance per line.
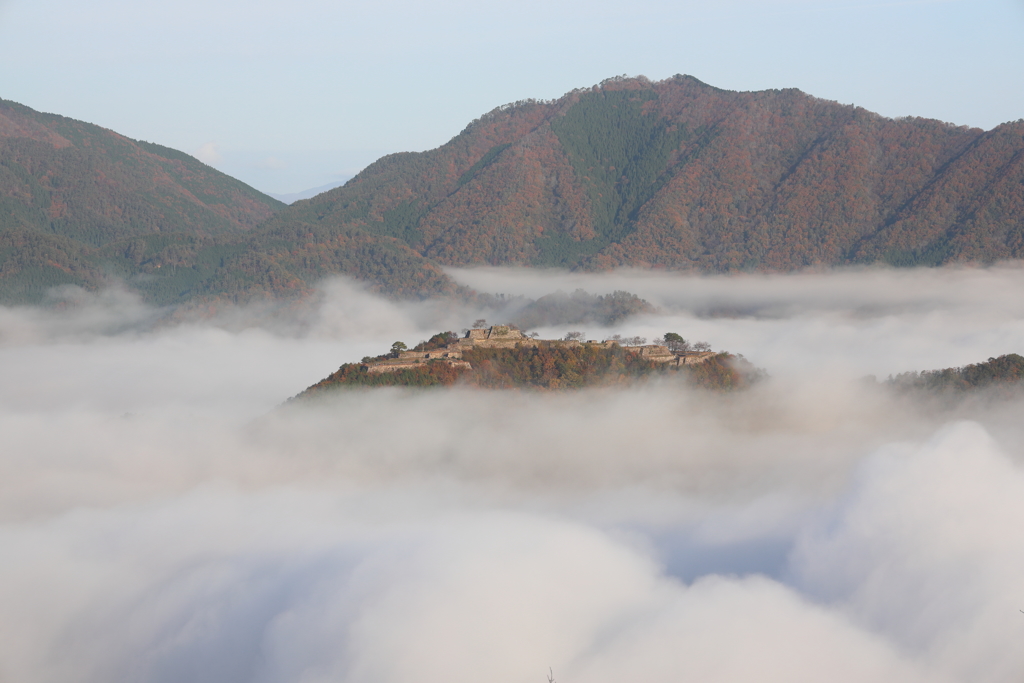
pixel 1000 376
pixel 292 197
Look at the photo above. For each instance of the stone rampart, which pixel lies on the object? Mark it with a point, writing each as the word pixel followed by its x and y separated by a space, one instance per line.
pixel 393 366
pixel 496 337
pixel 449 352
pixel 653 352
pixel 410 364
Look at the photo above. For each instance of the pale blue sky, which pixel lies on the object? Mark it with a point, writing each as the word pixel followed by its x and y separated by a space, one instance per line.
pixel 288 96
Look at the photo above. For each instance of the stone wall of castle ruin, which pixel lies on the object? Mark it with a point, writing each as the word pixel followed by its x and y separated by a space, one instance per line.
pixel 452 351
pixel 401 364
pixel 696 357
pixel 653 352
pixel 392 366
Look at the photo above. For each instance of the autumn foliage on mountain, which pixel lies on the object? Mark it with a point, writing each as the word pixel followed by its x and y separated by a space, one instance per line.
pixel 673 174
pixel 678 174
pixel 83 205
pixel 78 202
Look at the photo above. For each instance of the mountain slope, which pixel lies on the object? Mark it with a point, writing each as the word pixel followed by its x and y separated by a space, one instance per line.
pixel 80 204
pixel 680 174
pixel 673 174
pixel 80 181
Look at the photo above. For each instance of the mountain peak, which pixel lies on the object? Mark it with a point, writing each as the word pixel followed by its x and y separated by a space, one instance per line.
pixel 680 174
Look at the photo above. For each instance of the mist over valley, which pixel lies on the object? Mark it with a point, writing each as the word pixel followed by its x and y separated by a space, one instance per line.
pixel 748 407
pixel 165 518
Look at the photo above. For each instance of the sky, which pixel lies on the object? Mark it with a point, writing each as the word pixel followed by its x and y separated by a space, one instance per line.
pixel 292 96
pixel 164 520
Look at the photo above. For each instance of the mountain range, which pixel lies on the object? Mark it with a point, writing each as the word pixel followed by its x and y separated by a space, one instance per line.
pixel 673 174
pixel 83 205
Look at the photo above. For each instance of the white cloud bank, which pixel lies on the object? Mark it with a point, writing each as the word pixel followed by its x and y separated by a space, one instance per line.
pixel 209 153
pixel 159 524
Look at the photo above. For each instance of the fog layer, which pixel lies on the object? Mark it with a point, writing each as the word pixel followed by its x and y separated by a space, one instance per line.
pixel 163 519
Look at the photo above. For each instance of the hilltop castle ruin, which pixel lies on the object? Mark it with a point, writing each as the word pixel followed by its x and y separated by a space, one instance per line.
pixel 507 337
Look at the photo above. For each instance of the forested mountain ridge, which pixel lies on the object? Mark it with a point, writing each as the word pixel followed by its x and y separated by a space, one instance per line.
pixel 670 174
pixel 680 174
pixel 79 202
pixel 90 184
pixel 1001 375
pixel 83 205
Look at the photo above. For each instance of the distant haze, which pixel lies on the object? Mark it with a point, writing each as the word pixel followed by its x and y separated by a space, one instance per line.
pixel 306 194
pixel 162 521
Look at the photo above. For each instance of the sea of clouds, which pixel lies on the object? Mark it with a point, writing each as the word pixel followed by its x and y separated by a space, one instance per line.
pixel 163 520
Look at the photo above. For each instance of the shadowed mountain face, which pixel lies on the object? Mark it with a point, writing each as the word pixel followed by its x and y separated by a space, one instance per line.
pixel 73 179
pixel 79 202
pixel 80 205
pixel 679 174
